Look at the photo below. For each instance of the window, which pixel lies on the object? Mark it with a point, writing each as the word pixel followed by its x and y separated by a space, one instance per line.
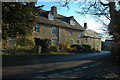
pixel 72 22
pixel 54 41
pixel 37 28
pixel 80 34
pixel 54 30
pixel 50 16
pixel 12 41
pixel 77 41
pixel 70 32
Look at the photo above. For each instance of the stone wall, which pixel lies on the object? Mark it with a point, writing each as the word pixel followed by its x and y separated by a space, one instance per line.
pixel 61 36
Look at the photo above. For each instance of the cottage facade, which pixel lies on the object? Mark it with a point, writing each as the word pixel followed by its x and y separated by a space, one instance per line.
pixel 92 38
pixel 58 28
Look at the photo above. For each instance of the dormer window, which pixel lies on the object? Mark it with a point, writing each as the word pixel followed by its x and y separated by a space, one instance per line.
pixel 72 22
pixel 50 16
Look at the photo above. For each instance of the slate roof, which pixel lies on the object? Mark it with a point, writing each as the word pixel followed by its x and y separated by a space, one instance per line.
pixel 91 33
pixel 59 21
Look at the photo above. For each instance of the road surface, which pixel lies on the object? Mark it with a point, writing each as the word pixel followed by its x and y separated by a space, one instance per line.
pixel 58 66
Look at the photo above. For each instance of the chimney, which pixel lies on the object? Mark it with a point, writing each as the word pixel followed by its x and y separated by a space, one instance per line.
pixel 85 25
pixel 54 10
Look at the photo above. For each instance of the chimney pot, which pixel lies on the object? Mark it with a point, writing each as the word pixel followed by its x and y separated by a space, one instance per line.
pixel 85 25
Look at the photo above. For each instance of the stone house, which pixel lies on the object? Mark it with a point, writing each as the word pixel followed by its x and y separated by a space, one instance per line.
pixel 92 38
pixel 58 28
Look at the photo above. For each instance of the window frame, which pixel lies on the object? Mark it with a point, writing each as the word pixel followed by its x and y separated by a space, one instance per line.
pixel 70 32
pixel 37 28
pixel 12 41
pixel 54 41
pixel 54 30
pixel 80 34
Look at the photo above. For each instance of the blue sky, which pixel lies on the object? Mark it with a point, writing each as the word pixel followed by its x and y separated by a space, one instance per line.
pixel 89 19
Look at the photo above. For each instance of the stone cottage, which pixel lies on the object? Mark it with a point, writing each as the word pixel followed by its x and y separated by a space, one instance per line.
pixel 92 38
pixel 58 28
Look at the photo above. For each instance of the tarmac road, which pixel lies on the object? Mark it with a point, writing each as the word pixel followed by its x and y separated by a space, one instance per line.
pixel 54 66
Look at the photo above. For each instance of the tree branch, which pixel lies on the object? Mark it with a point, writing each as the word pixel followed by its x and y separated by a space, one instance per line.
pixel 103 3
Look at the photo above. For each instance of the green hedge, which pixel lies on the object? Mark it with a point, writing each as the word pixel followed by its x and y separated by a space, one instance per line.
pixel 77 46
pixel 25 42
pixel 54 48
pixel 45 45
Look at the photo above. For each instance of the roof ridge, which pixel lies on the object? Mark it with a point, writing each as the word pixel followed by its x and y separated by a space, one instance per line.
pixel 61 19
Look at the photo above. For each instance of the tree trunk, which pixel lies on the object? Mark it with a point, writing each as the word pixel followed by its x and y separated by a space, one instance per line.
pixel 115 27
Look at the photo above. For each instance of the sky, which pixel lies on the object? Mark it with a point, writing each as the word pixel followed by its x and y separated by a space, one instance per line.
pixel 89 19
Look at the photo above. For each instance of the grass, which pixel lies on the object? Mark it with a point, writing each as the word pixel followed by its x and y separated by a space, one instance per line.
pixel 33 53
pixel 51 53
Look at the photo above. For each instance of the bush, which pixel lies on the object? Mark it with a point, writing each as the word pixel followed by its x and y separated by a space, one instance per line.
pixel 45 45
pixel 54 48
pixel 18 50
pixel 18 47
pixel 34 49
pixel 77 47
pixel 64 46
pixel 25 42
pixel 87 47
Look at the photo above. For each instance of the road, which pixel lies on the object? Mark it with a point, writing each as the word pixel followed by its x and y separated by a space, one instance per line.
pixel 59 66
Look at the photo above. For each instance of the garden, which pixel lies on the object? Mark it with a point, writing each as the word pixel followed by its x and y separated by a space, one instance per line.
pixel 25 46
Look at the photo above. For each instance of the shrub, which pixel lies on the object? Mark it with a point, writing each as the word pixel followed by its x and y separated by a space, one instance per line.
pixel 18 47
pixel 34 49
pixel 23 41
pixel 87 47
pixel 64 46
pixel 54 48
pixel 77 47
pixel 4 53
pixel 45 45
